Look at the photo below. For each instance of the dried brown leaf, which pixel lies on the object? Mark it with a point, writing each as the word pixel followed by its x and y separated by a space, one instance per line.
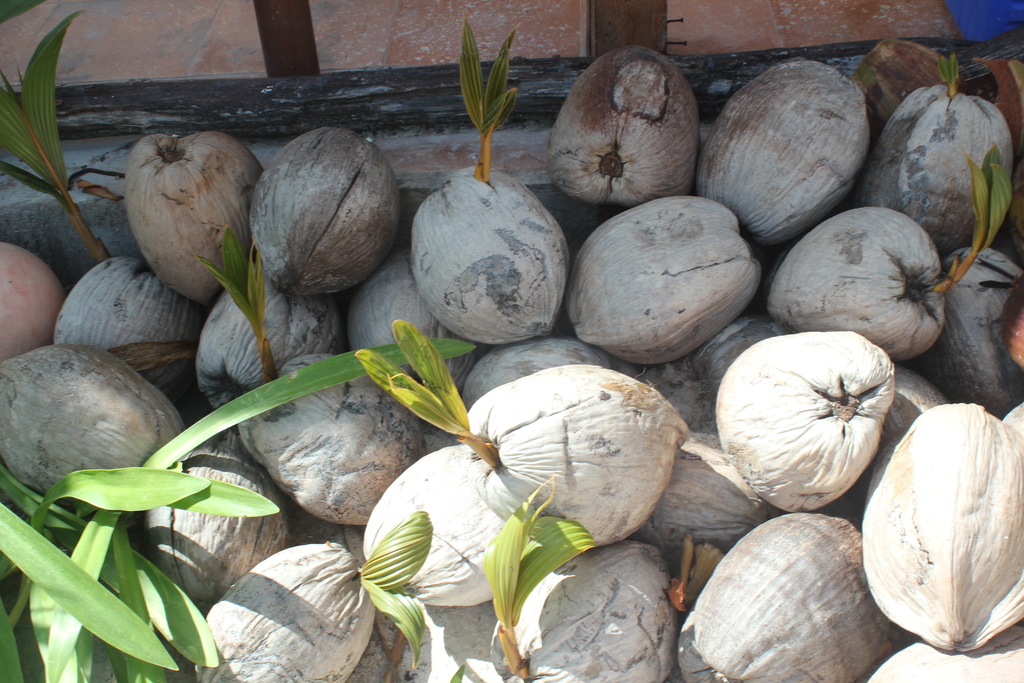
pixel 98 190
pixel 154 354
pixel 1009 75
pixel 892 70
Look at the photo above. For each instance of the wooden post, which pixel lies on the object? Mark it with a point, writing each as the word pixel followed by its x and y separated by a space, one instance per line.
pixel 614 23
pixel 286 36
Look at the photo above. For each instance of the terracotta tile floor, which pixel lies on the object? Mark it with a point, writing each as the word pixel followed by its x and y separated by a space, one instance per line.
pixel 153 39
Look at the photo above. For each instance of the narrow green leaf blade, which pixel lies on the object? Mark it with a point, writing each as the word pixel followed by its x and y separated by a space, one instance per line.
pixel 497 79
pixel 471 77
pixel 431 368
pixel 500 110
pixel 238 295
pixel 9 651
pixel 30 179
pixel 1000 195
pixel 979 200
pixel 74 590
pixel 15 136
pixel 501 563
pixel 236 263
pixel 457 677
pixel 12 8
pixel 257 287
pixel 405 611
pixel 176 616
pixel 557 541
pixel 326 373
pixel 414 396
pixel 118 663
pixel 401 553
pixel 227 500
pixel 126 488
pixel 130 591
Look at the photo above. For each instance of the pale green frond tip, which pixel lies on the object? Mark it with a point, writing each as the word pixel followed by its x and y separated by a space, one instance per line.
pixel 401 553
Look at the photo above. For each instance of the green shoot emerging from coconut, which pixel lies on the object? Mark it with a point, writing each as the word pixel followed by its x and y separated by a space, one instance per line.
pixel 488 108
pixel 949 71
pixel 528 548
pixel 242 277
pixel 436 400
pixel 695 568
pixel 28 130
pixel 991 191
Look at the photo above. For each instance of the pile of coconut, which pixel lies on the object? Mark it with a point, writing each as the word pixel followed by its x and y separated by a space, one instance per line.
pixel 757 361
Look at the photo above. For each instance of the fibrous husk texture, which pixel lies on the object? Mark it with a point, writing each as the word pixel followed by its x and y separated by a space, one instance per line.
pixel 609 442
pixel 790 603
pixel 228 362
pixel 944 529
pixel 691 382
pixel 800 416
pixel 206 554
pixel 918 165
pixel 603 617
pixel 300 615
pixel 507 363
pixel 785 149
pixel 489 260
pixel 325 212
pixel 335 451
pixel 120 301
pixel 914 395
pixel 658 280
pixel 1000 659
pixel 180 195
pixel 67 407
pixel 442 484
pixel 706 498
pixel 867 270
pixel 627 131
pixel 968 361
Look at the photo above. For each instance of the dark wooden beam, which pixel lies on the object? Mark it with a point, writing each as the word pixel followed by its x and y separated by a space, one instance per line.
pixel 286 36
pixel 616 23
pixel 391 100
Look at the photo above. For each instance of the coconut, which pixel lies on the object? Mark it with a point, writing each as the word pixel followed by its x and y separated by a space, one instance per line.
pixel 918 165
pixel 602 617
pixel 868 270
pixel 790 603
pixel 228 362
pixel 120 301
pixel 706 499
pixel 607 440
pixel 300 615
pixel 335 451
pixel 504 364
pixel 968 362
pixel 691 382
pixel 786 149
pixel 180 194
pixel 206 554
pixel 914 395
pixel 489 260
pixel 683 258
pixel 30 299
pixel 944 529
pixel 800 416
pixel 627 131
pixel 453 573
pixel 325 212
pixel 67 407
pixel 1000 659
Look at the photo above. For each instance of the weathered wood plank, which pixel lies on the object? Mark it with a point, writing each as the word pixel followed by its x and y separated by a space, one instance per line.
pixel 617 23
pixel 286 37
pixel 392 100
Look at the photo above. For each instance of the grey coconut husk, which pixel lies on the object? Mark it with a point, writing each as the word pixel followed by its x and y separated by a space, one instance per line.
pixel 786 149
pixel 914 395
pixel 917 166
pixel 228 363
pixel 706 498
pixel 968 362
pixel 691 382
pixel 509 362
pixel 1000 659
pixel 67 407
pixel 944 529
pixel 120 301
pixel 790 603
pixel 658 280
pixel 800 416
pixel 442 484
pixel 325 212
pixel 867 270
pixel 602 617
pixel 206 554
pixel 608 440
pixel 489 260
pixel 627 132
pixel 335 451
pixel 300 615
pixel 390 294
pixel 180 194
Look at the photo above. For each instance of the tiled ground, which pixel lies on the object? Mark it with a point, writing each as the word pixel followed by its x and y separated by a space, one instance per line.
pixel 133 39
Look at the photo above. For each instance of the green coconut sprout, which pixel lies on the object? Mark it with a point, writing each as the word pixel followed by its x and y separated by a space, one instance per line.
pixel 488 108
pixel 949 71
